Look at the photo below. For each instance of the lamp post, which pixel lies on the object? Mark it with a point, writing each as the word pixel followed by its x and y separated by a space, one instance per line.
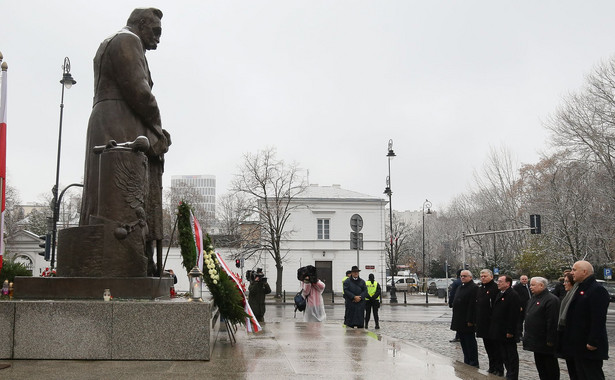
pixel 67 82
pixel 428 204
pixel 389 192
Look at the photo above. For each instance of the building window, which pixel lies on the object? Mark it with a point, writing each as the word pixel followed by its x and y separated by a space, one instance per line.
pixel 323 229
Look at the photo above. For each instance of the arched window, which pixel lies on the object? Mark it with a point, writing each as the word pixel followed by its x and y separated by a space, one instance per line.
pixel 25 261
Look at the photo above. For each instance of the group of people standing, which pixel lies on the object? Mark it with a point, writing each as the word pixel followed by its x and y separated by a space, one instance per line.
pixel 361 299
pixel 572 326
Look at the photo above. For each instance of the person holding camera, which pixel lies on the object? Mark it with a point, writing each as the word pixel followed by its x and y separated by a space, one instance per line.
pixel 355 292
pixel 257 290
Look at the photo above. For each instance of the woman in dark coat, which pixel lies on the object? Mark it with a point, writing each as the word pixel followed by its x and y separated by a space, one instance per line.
pixel 570 287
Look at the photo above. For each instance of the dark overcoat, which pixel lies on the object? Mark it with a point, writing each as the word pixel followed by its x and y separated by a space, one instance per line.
pixel 586 322
pixel 464 308
pixel 256 298
pixel 505 315
pixel 485 296
pixel 124 108
pixel 541 317
pixel 355 310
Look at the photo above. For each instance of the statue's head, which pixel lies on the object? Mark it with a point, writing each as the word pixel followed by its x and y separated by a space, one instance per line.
pixel 145 23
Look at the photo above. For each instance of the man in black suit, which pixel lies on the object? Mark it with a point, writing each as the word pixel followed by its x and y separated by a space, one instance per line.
pixel 585 336
pixel 540 335
pixel 485 297
pixel 503 329
pixel 523 290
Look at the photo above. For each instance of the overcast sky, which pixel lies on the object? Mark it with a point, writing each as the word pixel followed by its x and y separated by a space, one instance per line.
pixel 327 83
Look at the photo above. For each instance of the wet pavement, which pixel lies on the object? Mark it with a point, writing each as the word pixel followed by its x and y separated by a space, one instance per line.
pixel 413 342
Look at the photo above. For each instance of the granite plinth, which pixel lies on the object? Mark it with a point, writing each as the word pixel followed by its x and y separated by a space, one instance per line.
pixel 50 288
pixel 97 330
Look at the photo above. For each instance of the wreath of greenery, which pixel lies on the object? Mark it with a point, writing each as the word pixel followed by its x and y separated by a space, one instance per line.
pixel 224 291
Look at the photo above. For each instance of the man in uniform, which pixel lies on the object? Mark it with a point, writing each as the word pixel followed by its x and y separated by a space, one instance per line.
pixel 372 302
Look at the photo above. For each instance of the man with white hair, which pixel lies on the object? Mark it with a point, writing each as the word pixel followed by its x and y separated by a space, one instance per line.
pixel 541 316
pixel 464 318
pixel 585 336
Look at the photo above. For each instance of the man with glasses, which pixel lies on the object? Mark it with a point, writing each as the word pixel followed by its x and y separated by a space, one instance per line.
pixel 464 316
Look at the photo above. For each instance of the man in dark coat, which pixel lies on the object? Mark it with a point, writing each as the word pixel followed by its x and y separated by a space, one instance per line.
pixel 485 297
pixel 540 335
pixel 585 336
pixel 523 290
pixel 503 328
pixel 464 317
pixel 355 292
pixel 125 108
pixel 451 296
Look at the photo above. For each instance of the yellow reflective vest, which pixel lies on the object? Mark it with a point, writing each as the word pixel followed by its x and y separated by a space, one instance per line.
pixel 371 289
pixel 344 280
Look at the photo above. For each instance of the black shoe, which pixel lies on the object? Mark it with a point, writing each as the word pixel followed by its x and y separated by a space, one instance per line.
pixel 454 340
pixel 377 327
pixel 498 373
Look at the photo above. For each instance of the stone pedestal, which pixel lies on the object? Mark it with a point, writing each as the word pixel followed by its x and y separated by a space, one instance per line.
pixel 59 288
pixel 97 330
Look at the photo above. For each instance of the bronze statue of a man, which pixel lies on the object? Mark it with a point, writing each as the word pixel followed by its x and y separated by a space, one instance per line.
pixel 125 108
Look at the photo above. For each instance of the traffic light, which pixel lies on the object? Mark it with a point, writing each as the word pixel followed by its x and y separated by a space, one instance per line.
pixel 238 263
pixel 46 244
pixel 535 224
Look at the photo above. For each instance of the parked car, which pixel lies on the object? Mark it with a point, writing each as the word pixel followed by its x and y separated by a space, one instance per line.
pixel 436 284
pixel 611 289
pixel 403 284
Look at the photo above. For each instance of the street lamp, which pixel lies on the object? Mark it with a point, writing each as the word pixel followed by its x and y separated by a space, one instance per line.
pixel 389 192
pixel 428 204
pixel 67 82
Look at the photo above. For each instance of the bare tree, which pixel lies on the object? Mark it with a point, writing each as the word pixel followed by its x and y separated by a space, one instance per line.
pixel 404 251
pixel 270 186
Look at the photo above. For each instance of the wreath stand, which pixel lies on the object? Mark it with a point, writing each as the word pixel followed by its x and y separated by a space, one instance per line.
pixel 231 329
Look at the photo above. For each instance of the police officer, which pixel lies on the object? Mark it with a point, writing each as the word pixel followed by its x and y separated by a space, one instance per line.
pixel 372 301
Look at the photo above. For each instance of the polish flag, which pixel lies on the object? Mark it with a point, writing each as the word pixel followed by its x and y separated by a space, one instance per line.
pixel 198 240
pixel 252 324
pixel 3 156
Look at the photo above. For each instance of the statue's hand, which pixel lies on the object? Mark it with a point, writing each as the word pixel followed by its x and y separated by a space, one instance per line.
pixel 168 136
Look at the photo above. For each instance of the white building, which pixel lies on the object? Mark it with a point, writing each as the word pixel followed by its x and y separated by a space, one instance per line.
pixel 202 189
pixel 320 226
pixel 23 247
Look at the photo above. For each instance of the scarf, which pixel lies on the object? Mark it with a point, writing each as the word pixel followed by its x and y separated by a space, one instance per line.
pixel 563 309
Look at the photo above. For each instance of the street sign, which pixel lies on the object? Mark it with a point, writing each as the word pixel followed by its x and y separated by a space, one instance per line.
pixel 356 222
pixel 356 241
pixel 496 270
pixel 608 273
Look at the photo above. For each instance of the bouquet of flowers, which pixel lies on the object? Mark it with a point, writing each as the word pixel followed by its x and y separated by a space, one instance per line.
pixel 48 273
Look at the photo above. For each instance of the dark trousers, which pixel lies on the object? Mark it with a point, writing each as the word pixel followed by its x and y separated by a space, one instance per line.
pixel 547 366
pixel 588 369
pixel 493 352
pixel 469 348
pixel 572 370
pixel 369 306
pixel 510 357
